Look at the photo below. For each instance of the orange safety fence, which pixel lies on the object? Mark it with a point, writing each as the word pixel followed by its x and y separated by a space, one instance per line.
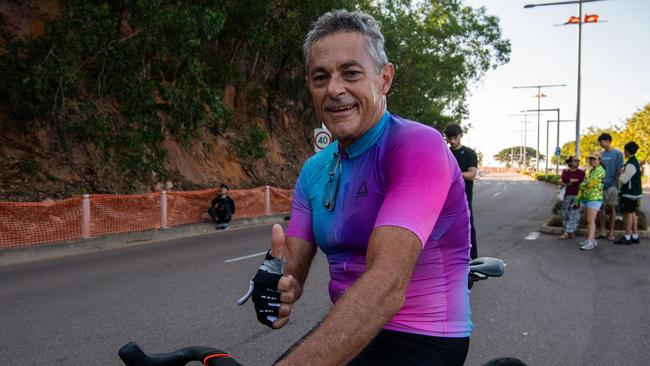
pixel 22 224
pixel 25 224
pixel 116 213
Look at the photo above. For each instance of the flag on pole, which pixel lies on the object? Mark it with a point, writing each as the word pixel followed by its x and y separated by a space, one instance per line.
pixel 591 18
pixel 573 20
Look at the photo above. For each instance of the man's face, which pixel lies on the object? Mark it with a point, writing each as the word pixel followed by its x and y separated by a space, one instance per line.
pixel 604 144
pixel 224 191
pixel 454 141
pixel 348 94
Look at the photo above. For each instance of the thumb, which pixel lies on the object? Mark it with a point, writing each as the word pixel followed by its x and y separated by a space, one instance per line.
pixel 277 241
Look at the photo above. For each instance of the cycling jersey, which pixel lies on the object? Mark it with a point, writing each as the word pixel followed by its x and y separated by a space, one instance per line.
pixel 399 173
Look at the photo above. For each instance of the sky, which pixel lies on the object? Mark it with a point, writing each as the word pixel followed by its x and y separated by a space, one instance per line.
pixel 615 72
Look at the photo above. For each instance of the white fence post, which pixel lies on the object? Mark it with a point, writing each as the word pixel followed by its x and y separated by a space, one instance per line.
pixel 85 216
pixel 267 200
pixel 163 210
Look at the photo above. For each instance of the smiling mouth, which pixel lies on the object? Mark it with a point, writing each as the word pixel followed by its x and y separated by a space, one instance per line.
pixel 341 108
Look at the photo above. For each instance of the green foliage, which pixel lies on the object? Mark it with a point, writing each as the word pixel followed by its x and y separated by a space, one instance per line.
pixel 514 154
pixel 637 129
pixel 588 143
pixel 551 178
pixel 251 146
pixel 120 75
pixel 123 76
pixel 439 48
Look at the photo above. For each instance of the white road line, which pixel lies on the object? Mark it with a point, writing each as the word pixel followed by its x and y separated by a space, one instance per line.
pixel 245 257
pixel 496 194
pixel 533 235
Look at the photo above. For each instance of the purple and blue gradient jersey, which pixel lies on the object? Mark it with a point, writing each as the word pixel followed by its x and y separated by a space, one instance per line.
pixel 399 173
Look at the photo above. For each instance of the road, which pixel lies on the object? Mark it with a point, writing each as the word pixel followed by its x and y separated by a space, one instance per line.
pixel 556 305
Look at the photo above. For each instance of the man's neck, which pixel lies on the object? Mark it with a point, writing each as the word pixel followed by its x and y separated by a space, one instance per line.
pixel 458 147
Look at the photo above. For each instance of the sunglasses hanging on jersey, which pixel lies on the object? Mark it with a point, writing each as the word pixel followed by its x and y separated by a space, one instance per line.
pixel 331 189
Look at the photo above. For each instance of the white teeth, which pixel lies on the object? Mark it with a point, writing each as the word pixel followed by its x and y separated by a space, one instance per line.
pixel 343 108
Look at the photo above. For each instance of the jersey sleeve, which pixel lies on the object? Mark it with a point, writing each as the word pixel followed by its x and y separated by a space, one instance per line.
pixel 418 171
pixel 300 225
pixel 472 159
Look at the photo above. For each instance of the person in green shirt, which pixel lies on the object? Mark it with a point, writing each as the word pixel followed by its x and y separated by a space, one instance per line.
pixel 590 196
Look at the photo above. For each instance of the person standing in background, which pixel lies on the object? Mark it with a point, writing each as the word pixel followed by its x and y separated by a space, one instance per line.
pixel 590 196
pixel 468 163
pixel 612 161
pixel 571 179
pixel 631 193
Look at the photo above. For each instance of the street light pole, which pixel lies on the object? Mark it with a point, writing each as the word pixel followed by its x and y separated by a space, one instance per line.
pixel 579 2
pixel 525 122
pixel 539 97
pixel 579 81
pixel 558 133
pixel 557 110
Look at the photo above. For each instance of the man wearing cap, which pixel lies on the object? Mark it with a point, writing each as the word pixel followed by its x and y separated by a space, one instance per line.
pixel 590 196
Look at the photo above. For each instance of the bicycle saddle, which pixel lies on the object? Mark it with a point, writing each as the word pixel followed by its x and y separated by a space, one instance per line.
pixel 487 266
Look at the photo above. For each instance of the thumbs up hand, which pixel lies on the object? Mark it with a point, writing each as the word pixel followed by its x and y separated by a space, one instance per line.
pixel 273 294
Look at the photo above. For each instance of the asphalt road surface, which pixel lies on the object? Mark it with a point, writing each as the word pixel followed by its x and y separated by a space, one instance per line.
pixel 556 305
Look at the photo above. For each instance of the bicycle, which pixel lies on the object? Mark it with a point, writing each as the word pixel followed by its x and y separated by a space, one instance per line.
pixel 132 355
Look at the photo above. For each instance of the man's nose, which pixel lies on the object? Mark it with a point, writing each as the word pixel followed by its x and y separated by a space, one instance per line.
pixel 336 87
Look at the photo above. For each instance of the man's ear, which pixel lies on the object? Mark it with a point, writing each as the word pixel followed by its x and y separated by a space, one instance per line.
pixel 387 75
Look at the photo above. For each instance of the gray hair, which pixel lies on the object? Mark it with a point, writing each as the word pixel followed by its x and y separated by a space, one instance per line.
pixel 345 21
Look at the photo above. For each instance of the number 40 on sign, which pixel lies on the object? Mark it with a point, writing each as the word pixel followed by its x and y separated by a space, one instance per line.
pixel 322 139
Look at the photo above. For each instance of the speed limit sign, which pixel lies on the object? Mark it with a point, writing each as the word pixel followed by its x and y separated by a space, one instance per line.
pixel 322 139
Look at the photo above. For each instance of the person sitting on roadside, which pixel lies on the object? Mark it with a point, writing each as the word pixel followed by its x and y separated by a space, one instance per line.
pixel 571 179
pixel 631 193
pixel 222 208
pixel 590 196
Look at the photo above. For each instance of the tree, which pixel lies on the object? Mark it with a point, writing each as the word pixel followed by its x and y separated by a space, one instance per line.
pixel 514 154
pixel 637 129
pixel 588 143
pixel 439 48
pixel 123 76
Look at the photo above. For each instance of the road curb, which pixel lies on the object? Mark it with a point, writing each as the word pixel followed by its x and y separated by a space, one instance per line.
pixel 555 230
pixel 39 252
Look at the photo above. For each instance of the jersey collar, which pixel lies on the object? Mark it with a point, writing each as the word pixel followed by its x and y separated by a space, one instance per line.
pixel 367 140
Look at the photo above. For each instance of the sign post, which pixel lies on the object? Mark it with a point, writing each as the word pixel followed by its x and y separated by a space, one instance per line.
pixel 322 139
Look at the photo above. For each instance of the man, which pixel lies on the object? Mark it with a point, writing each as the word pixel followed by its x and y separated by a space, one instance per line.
pixel 468 163
pixel 631 193
pixel 222 208
pixel 385 203
pixel 612 161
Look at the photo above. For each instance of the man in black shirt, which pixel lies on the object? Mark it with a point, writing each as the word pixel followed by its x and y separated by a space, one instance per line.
pixel 468 163
pixel 222 208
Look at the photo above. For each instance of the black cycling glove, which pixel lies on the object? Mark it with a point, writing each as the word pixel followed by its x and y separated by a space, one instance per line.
pixel 264 289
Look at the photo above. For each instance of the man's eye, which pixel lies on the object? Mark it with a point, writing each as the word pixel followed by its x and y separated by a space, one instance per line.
pixel 352 74
pixel 319 77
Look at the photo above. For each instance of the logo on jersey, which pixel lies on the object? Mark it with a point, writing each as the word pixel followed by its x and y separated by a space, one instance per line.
pixel 363 190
